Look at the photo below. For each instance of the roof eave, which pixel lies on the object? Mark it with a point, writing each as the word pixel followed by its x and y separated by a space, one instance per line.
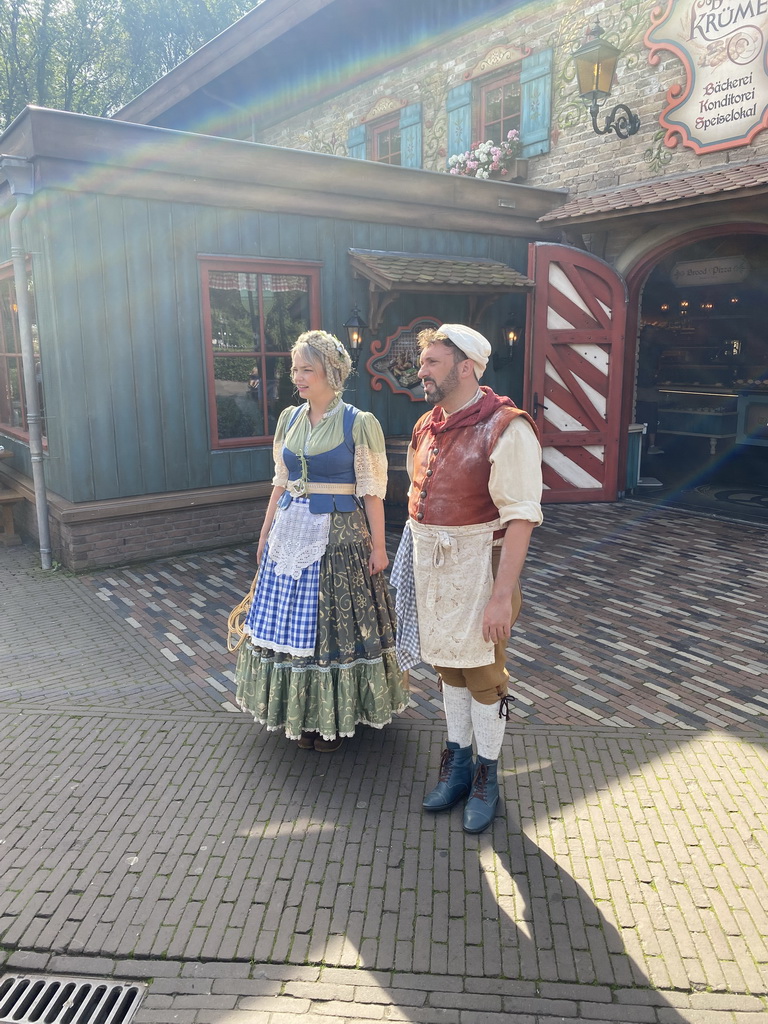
pixel 248 35
pixel 222 172
pixel 664 208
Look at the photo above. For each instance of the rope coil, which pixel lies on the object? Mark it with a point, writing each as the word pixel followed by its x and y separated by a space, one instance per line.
pixel 236 621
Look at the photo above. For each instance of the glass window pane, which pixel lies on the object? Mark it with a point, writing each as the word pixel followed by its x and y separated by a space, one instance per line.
pixel 501 109
pixel 286 310
pixel 16 394
pixel 394 146
pixel 9 340
pixel 280 390
pixel 511 97
pixel 255 318
pixel 239 398
pixel 492 105
pixel 234 302
pixel 5 392
pixel 38 370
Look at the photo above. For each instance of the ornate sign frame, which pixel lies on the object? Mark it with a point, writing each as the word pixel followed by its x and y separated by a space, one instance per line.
pixel 723 102
pixel 395 361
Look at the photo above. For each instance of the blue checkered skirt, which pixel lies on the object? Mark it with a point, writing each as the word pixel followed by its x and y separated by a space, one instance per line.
pixel 283 613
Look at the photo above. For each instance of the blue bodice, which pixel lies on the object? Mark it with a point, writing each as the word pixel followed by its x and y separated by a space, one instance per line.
pixel 336 466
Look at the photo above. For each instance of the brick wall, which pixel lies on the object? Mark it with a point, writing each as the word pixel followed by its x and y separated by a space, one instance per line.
pixel 92 543
pixel 579 160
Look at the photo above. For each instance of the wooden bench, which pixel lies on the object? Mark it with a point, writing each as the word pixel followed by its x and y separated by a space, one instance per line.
pixel 8 499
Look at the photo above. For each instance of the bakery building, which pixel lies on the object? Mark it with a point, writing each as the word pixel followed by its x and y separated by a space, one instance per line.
pixel 313 166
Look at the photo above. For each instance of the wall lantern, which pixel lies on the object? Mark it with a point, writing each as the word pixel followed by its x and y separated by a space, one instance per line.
pixel 595 62
pixel 355 327
pixel 511 334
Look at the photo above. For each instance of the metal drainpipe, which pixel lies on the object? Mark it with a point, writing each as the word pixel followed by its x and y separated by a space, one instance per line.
pixel 20 176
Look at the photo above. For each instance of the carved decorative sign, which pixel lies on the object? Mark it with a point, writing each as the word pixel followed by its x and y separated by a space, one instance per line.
pixel 497 58
pixel 723 101
pixel 386 105
pixel 395 362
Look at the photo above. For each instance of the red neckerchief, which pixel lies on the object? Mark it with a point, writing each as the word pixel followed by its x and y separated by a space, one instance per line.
pixel 480 410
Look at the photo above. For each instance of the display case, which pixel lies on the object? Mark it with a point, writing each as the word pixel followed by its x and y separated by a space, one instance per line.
pixel 752 426
pixel 698 414
pixel 691 365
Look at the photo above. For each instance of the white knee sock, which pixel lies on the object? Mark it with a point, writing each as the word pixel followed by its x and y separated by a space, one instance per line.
pixel 457 701
pixel 489 729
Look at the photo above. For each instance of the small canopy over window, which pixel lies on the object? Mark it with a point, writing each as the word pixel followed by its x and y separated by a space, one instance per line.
pixel 390 274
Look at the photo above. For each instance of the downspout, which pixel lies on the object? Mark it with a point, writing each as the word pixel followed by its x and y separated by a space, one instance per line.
pixel 20 176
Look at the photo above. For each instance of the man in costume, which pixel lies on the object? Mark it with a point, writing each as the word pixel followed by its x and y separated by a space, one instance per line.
pixel 475 498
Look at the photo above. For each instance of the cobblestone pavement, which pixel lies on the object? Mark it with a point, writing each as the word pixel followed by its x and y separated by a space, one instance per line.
pixel 149 831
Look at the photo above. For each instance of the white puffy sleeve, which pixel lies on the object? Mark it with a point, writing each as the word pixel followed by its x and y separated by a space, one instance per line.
pixel 370 456
pixel 515 484
pixel 280 479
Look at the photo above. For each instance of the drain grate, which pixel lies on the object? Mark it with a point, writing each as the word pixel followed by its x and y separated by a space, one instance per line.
pixel 42 999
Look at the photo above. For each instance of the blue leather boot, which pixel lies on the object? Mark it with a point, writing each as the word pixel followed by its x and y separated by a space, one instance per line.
pixel 481 806
pixel 455 779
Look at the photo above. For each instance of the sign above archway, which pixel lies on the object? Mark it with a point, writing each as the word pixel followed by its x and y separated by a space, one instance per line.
pixel 723 101
pixel 698 273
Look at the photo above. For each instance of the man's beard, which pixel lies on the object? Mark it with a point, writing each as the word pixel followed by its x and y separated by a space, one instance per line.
pixel 440 392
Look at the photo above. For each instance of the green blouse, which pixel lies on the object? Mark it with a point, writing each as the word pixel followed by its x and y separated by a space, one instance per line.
pixel 368 437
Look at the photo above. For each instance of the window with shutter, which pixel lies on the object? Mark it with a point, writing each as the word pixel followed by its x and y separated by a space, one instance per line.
pixel 356 142
pixel 519 97
pixel 385 141
pixel 395 138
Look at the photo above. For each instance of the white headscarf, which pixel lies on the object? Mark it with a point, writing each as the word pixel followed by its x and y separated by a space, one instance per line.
pixel 471 342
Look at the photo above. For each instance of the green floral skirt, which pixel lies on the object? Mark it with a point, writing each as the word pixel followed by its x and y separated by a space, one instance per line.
pixel 353 675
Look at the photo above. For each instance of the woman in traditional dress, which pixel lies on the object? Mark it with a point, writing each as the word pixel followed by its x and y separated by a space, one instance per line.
pixel 320 650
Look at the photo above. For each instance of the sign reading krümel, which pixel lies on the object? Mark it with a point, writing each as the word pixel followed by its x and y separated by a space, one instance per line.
pixel 723 101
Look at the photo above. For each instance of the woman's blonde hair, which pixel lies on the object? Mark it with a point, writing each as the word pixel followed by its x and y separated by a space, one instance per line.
pixel 325 350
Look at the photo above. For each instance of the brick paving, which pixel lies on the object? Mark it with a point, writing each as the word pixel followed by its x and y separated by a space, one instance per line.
pixel 633 617
pixel 149 831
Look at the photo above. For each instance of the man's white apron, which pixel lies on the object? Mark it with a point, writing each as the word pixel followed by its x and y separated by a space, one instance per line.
pixel 453 580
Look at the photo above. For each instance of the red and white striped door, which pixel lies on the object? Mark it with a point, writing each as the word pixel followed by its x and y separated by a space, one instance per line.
pixel 574 362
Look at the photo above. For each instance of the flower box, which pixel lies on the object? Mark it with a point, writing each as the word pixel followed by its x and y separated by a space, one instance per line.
pixel 517 170
pixel 491 161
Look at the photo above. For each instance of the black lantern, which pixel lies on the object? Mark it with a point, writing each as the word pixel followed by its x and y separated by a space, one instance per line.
pixel 355 326
pixel 511 333
pixel 595 62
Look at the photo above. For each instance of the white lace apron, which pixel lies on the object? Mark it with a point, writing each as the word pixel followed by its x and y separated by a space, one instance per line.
pixel 297 538
pixel 454 580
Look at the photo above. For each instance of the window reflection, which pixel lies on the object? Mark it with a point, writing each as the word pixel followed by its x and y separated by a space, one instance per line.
pixel 13 404
pixel 253 320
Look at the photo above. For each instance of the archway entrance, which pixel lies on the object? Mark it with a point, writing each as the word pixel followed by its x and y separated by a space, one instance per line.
pixel 700 374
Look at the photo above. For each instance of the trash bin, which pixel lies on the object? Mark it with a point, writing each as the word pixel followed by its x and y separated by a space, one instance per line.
pixel 634 454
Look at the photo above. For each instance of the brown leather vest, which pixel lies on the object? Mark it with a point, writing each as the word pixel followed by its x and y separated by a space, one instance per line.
pixel 451 471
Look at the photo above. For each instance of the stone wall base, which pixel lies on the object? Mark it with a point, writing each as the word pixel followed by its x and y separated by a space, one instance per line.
pixel 97 534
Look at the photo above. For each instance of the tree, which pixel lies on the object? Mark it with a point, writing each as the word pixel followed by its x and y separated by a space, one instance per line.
pixel 92 56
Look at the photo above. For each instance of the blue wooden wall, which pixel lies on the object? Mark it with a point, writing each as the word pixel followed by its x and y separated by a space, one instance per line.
pixel 119 308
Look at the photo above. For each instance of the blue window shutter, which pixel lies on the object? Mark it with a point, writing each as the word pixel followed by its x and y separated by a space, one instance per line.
pixel 410 135
pixel 459 110
pixel 356 142
pixel 536 102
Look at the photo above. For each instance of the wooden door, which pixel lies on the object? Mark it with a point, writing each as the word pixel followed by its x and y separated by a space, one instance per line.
pixel 574 363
